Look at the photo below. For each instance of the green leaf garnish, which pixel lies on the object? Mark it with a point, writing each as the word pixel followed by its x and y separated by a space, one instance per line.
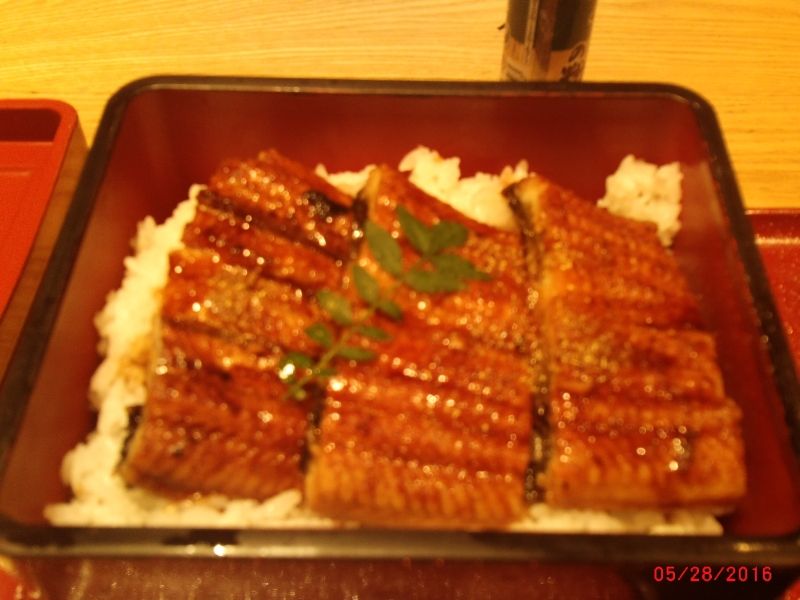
pixel 355 353
pixel 369 290
pixel 366 285
pixel 432 282
pixel 435 271
pixel 418 234
pixel 321 334
pixel 373 333
pixel 337 306
pixel 384 248
pixel 457 266
pixel 298 393
pixel 325 372
pixel 389 308
pixel 448 234
pixel 298 359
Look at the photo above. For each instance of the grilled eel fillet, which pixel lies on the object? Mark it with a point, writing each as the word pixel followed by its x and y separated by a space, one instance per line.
pixel 636 407
pixel 435 432
pixel 266 235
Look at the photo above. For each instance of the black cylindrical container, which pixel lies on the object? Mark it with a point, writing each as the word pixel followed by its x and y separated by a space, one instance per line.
pixel 547 39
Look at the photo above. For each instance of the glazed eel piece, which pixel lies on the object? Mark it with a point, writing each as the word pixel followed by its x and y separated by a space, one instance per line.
pixel 584 310
pixel 435 432
pixel 637 412
pixel 267 234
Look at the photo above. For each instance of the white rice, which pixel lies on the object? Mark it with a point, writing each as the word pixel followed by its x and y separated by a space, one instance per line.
pixel 479 197
pixel 101 497
pixel 350 182
pixel 646 192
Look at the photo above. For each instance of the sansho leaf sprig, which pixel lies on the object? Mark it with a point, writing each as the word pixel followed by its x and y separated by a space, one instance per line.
pixel 436 270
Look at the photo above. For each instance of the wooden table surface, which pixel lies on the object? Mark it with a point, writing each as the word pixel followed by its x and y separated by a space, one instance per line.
pixel 740 54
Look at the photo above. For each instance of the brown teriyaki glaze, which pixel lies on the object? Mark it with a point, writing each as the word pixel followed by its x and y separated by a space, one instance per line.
pixel 268 233
pixel 436 431
pixel 637 412
pixel 578 375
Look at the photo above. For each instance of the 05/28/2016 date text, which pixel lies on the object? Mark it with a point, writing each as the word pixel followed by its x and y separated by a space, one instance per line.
pixel 708 574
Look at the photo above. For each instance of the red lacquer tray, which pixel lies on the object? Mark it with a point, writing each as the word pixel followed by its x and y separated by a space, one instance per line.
pixel 777 234
pixel 42 150
pixel 34 139
pixel 778 238
pixel 160 135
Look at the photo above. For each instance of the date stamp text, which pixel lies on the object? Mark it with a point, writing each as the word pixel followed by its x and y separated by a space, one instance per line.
pixel 708 574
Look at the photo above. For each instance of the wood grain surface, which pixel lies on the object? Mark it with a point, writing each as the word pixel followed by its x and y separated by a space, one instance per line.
pixel 740 54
